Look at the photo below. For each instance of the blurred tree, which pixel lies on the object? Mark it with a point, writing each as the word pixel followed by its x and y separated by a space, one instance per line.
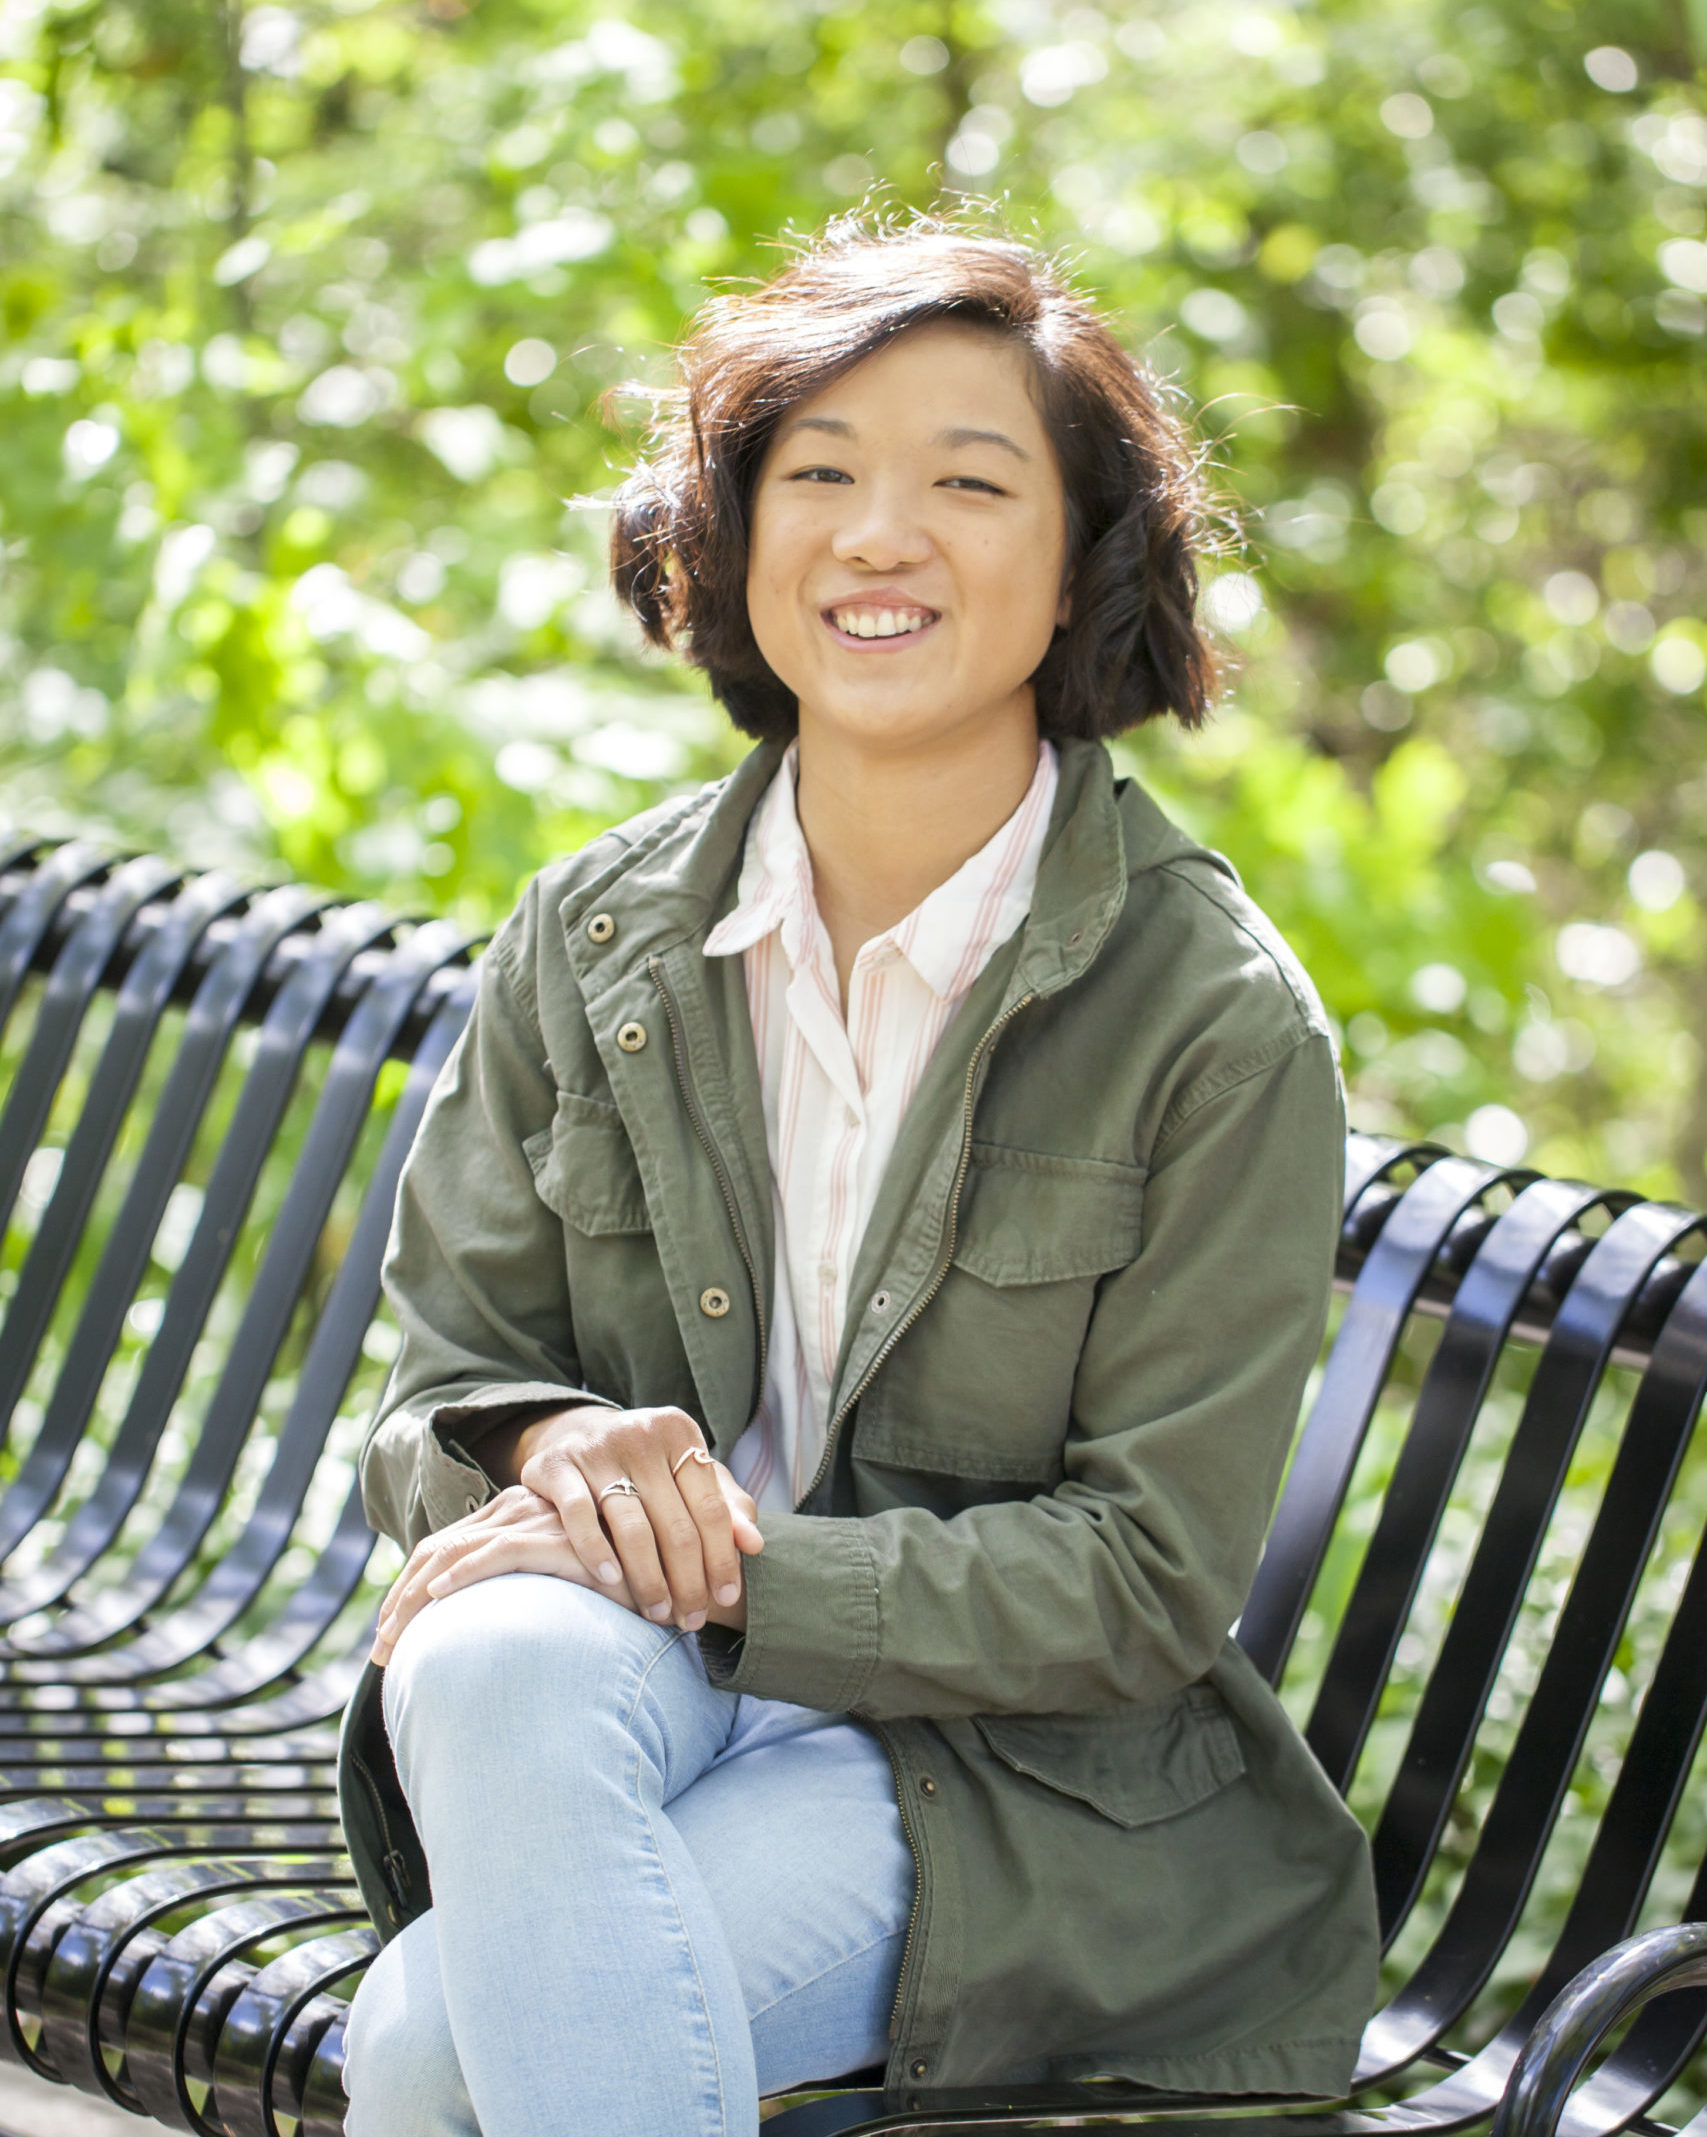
pixel 308 310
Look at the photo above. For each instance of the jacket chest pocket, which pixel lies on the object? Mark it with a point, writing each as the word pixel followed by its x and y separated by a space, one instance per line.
pixel 982 1386
pixel 623 1328
pixel 584 1169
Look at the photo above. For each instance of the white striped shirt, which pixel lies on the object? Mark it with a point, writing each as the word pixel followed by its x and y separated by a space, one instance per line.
pixel 836 1090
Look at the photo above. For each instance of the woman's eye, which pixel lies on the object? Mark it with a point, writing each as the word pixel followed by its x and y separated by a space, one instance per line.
pixel 972 482
pixel 820 474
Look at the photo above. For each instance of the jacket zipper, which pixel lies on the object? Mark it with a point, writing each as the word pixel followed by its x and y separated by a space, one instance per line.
pixel 392 1862
pixel 882 1736
pixel 710 1148
pixel 936 1283
pixel 865 1380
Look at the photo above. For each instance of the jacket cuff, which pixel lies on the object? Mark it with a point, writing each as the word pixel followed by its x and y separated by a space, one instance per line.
pixel 812 1616
pixel 452 1482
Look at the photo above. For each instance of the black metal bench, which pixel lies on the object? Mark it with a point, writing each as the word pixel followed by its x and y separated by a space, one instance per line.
pixel 206 1092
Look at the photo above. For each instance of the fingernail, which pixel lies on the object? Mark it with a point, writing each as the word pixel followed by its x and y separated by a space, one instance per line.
pixel 731 1594
pixel 610 1571
pixel 693 1621
pixel 438 1587
pixel 658 1612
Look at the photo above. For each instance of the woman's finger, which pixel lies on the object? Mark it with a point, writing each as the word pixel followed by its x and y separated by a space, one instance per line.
pixel 743 1512
pixel 701 1493
pixel 415 1571
pixel 630 1530
pixel 676 1536
pixel 433 1554
pixel 561 1486
pixel 533 1549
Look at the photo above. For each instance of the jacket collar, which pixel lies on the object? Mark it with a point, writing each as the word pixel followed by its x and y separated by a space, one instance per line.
pixel 672 874
pixel 671 877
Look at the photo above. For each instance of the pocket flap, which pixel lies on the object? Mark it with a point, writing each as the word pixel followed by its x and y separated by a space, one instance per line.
pixel 1031 1218
pixel 1137 1765
pixel 584 1169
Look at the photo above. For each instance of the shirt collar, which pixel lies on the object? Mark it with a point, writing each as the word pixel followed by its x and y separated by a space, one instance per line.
pixel 950 936
pixel 947 938
pixel 776 870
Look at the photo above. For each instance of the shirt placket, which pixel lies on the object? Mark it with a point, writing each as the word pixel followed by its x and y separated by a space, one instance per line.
pixel 818 1030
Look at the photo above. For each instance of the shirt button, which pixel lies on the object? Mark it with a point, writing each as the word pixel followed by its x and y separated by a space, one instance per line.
pixel 600 928
pixel 631 1038
pixel 713 1302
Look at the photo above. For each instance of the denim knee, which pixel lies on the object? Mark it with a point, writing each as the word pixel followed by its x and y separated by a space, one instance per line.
pixel 521 1644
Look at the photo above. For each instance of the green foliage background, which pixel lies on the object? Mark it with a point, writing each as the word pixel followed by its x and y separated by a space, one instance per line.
pixel 308 310
pixel 306 316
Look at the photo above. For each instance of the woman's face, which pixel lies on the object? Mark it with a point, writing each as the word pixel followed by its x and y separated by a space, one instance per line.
pixel 908 547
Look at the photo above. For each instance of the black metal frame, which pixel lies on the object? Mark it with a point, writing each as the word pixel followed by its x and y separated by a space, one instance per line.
pixel 175 1907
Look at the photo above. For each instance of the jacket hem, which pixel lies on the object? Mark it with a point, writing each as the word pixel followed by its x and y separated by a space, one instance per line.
pixel 1319 2069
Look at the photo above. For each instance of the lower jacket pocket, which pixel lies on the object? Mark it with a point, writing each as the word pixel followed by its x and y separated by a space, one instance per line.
pixel 1136 1765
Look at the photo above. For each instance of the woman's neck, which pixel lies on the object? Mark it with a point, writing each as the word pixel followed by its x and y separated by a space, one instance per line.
pixel 885 828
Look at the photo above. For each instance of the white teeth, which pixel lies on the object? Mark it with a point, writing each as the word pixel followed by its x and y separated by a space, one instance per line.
pixel 879 623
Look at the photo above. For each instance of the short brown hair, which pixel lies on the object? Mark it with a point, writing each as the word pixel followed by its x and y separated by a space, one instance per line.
pixel 1135 502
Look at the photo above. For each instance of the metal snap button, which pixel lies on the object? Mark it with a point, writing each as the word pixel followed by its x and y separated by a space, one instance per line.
pixel 927 1787
pixel 471 1505
pixel 600 928
pixel 631 1038
pixel 881 1302
pixel 918 2067
pixel 714 1302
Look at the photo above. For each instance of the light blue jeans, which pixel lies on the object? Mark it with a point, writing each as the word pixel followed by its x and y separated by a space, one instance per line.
pixel 652 1900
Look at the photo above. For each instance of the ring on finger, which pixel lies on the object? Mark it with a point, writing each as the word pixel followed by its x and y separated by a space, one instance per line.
pixel 692 1454
pixel 624 1486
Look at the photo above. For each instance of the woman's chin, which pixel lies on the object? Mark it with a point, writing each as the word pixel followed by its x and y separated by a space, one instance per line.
pixel 883 730
pixel 898 722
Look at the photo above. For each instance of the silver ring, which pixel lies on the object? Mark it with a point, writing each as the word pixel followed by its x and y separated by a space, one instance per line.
pixel 625 1485
pixel 693 1454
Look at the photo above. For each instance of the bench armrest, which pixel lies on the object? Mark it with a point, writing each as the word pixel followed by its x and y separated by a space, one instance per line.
pixel 1614 1987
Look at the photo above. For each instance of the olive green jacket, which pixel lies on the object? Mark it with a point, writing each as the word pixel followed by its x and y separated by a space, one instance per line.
pixel 1078 1332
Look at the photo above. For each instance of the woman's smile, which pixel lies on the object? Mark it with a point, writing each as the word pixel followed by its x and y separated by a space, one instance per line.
pixel 886 620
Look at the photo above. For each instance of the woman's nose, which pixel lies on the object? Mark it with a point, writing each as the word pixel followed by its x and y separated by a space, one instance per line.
pixel 881 530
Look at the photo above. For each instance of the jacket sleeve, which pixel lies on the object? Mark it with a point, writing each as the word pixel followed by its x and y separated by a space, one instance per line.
pixel 474 1272
pixel 1121 1584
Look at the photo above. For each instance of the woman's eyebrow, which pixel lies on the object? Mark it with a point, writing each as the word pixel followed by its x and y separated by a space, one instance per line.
pixel 833 424
pixel 953 439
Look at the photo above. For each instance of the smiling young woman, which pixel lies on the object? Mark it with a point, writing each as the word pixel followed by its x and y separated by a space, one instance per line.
pixel 857 1277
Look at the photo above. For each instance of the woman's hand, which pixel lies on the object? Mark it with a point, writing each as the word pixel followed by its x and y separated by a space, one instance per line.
pixel 516 1532
pixel 675 1542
